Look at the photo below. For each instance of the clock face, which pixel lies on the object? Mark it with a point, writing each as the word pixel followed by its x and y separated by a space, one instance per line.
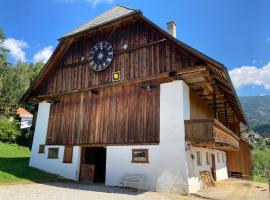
pixel 101 56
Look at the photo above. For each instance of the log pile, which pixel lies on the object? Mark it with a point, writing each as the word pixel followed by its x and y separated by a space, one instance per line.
pixel 207 179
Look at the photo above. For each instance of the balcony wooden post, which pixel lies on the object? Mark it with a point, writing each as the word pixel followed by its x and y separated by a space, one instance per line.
pixel 226 115
pixel 215 102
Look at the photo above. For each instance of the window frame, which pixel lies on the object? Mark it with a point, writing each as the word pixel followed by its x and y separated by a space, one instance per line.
pixel 199 158
pixel 70 159
pixel 51 148
pixel 146 151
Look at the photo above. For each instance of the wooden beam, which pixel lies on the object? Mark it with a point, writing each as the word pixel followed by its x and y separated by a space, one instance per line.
pixel 158 77
pixel 139 47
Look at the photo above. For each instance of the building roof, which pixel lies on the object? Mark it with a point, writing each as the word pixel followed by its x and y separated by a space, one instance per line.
pixel 23 113
pixel 119 13
pixel 113 14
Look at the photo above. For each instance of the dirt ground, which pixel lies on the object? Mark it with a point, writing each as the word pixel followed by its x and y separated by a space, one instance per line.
pixel 232 189
pixel 236 189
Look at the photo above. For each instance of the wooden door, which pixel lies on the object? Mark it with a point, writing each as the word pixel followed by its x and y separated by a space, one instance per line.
pixel 213 166
pixel 87 171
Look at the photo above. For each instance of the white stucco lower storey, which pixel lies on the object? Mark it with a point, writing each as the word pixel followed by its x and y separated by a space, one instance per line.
pixel 41 161
pixel 171 167
pixel 167 169
pixel 194 169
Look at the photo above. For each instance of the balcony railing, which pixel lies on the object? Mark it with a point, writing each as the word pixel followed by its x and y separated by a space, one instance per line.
pixel 210 133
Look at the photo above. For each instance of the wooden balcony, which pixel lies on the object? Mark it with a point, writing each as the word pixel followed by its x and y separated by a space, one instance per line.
pixel 210 133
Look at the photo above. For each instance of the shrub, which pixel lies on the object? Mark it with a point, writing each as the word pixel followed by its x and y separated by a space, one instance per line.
pixel 9 130
pixel 261 161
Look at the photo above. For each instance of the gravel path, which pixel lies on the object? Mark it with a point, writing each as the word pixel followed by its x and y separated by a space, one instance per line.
pixel 73 191
pixel 232 189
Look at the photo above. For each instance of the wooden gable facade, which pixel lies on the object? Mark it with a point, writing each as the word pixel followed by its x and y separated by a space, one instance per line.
pixel 89 108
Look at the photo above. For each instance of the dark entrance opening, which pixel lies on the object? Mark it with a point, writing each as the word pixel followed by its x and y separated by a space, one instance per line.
pixel 93 164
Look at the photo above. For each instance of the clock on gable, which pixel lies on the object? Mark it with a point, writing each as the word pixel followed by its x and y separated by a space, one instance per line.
pixel 101 56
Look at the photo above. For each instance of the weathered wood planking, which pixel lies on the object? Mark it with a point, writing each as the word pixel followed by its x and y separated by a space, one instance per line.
pixel 138 61
pixel 240 161
pixel 198 108
pixel 117 115
pixel 207 132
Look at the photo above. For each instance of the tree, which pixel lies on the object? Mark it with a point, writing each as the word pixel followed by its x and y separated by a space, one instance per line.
pixel 35 69
pixel 15 83
pixel 3 58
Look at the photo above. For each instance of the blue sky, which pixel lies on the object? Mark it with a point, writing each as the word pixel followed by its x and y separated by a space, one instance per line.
pixel 234 32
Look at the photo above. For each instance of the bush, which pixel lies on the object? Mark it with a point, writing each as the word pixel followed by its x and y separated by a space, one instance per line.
pixel 9 130
pixel 261 161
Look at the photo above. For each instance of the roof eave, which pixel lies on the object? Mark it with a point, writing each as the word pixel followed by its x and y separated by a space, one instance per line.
pixel 201 56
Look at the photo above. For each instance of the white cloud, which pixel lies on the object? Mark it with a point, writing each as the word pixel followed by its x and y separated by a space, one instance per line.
pixel 16 48
pixel 43 55
pixel 251 75
pixel 95 2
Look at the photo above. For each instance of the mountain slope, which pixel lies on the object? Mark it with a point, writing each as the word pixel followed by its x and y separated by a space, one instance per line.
pixel 257 110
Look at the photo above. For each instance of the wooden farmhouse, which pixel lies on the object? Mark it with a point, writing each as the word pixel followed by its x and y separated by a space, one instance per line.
pixel 120 96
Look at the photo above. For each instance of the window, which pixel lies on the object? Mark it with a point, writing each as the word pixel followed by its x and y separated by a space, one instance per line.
pixel 68 153
pixel 140 155
pixel 53 153
pixel 218 157
pixel 223 160
pixel 41 148
pixel 199 158
pixel 207 158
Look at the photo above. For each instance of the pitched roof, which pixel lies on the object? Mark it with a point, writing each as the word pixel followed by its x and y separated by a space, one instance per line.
pixel 106 17
pixel 23 113
pixel 119 13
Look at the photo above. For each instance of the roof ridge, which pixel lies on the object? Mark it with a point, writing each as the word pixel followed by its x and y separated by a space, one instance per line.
pixel 112 14
pixel 125 7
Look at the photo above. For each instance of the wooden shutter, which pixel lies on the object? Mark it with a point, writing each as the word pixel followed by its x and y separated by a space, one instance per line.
pixel 41 148
pixel 68 153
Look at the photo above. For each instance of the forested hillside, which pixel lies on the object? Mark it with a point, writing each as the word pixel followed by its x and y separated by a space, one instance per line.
pixel 257 110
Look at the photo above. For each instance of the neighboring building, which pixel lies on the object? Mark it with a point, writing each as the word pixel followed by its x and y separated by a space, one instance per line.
pixel 25 117
pixel 120 95
pixel 252 135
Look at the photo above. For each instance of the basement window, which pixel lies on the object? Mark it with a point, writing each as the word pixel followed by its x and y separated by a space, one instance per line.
pixel 41 148
pixel 140 156
pixel 199 158
pixel 53 153
pixel 68 153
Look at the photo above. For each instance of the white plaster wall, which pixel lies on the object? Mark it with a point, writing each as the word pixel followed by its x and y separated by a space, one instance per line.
pixel 194 169
pixel 40 160
pixel 167 169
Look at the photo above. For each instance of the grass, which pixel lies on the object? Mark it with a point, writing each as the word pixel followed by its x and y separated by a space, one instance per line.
pixel 14 166
pixel 260 179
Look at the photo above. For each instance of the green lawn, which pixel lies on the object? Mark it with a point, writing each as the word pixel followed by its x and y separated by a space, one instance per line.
pixel 14 167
